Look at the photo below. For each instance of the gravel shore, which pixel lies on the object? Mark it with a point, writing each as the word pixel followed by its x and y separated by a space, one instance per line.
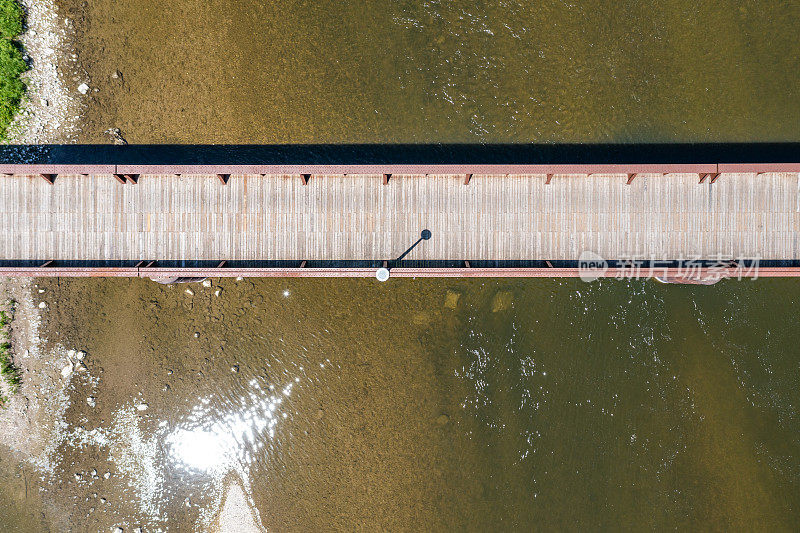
pixel 52 108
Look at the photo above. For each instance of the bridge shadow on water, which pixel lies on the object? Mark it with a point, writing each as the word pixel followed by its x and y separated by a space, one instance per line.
pixel 355 154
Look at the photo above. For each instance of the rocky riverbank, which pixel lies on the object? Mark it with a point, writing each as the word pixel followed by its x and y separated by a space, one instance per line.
pixel 62 464
pixel 51 111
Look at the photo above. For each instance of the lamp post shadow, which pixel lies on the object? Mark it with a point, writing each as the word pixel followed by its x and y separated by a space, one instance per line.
pixel 426 235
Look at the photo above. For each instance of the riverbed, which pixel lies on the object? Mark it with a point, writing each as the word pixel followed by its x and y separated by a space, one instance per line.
pixel 216 71
pixel 435 404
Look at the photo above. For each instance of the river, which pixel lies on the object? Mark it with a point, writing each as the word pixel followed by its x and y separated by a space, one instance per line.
pixel 427 404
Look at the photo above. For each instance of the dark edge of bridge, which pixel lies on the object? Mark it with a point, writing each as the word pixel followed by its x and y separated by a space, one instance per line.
pixel 400 154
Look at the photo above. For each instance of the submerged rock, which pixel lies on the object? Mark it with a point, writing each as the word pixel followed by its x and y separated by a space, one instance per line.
pixel 451 299
pixel 421 318
pixel 116 136
pixel 502 301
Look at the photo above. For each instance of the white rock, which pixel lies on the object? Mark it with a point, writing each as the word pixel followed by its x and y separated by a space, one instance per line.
pixel 206 283
pixel 66 371
pixel 239 278
pixel 107 475
pixel 42 305
pixel 80 355
pixel 119 530
pixel 71 353
pixel 41 291
pixel 83 88
pixel 91 401
pixel 190 292
pixel 141 407
pixel 217 292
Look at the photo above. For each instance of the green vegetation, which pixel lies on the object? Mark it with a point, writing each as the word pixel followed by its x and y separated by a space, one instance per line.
pixel 12 88
pixel 11 16
pixel 11 375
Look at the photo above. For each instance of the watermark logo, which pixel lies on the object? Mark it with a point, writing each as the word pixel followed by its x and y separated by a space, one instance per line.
pixel 591 266
pixel 694 269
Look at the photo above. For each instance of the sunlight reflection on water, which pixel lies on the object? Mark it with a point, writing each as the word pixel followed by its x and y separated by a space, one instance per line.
pixel 209 442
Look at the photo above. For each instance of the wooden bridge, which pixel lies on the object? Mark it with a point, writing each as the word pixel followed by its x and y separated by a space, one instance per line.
pixel 348 220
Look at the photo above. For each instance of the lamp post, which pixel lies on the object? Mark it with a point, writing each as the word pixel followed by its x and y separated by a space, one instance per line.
pixel 382 274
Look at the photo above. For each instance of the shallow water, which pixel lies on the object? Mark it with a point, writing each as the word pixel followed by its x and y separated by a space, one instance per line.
pixel 217 71
pixel 433 404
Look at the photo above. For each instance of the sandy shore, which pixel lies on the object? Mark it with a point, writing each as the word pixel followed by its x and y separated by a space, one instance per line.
pixel 52 108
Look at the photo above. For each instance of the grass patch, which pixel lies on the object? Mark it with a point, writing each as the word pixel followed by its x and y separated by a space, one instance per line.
pixel 12 88
pixel 11 17
pixel 10 373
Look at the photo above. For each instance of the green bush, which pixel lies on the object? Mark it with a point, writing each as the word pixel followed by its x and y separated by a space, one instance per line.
pixel 12 88
pixel 11 17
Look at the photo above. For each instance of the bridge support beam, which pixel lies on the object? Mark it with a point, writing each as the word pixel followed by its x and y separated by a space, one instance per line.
pixel 223 178
pixel 386 178
pixel 305 178
pixel 49 178
pixel 467 179
pixel 712 177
